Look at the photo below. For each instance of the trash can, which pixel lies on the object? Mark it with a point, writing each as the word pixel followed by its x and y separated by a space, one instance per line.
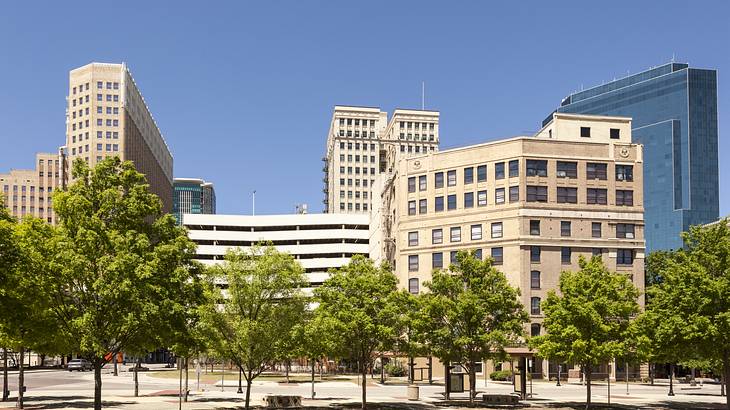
pixel 412 392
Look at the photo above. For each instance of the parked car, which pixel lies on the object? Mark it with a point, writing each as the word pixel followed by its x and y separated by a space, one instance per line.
pixel 79 364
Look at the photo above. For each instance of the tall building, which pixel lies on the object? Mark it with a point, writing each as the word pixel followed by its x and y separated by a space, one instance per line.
pixel 28 192
pixel 357 142
pixel 674 113
pixel 107 116
pixel 192 196
pixel 532 204
pixel 318 241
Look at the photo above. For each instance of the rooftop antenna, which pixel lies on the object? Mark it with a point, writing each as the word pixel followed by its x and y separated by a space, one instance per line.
pixel 423 95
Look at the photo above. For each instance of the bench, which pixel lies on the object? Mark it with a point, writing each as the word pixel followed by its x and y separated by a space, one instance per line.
pixel 500 399
pixel 282 401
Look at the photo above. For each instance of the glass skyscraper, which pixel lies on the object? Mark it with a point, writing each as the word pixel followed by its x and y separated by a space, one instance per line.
pixel 674 112
pixel 192 196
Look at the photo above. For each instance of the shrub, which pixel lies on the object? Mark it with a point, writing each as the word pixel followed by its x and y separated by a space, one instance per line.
pixel 500 375
pixel 395 369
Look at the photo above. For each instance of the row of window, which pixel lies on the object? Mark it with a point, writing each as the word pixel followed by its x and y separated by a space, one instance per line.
pixel 99 110
pixel 624 257
pixel 30 199
pixel 99 134
pixel 357 134
pixel 417 148
pixel 535 193
pixel 416 125
pixel 356 121
pixel 350 206
pixel 357 170
pixel 623 231
pixel 357 158
pixel 585 132
pixel 356 146
pixel 357 182
pixel 416 137
pixel 564 169
pixel 110 85
pixel 6 188
pixel 109 148
pixel 358 194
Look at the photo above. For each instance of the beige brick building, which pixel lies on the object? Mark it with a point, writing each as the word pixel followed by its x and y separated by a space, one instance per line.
pixel 534 204
pixel 28 192
pixel 357 142
pixel 107 116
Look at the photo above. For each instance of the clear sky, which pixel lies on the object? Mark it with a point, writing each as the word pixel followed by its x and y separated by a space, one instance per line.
pixel 243 91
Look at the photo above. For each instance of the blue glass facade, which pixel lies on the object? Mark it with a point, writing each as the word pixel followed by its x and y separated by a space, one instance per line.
pixel 192 196
pixel 674 112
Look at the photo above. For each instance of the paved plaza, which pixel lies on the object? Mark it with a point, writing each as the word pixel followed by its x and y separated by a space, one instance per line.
pixel 56 389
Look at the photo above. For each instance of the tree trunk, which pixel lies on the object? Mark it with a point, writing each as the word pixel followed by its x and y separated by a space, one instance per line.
pixel 136 377
pixel 187 374
pixel 5 373
pixel 447 383
pixel 248 390
pixel 286 364
pixel 116 369
pixel 364 383
pixel 180 378
pixel 21 378
pixel 726 374
pixel 313 363
pixel 472 382
pixel 588 371
pixel 240 374
pixel 97 385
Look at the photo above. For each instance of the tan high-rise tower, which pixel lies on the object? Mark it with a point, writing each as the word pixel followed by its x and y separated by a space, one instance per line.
pixel 107 116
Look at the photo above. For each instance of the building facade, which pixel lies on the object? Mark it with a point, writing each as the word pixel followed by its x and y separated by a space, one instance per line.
pixel 318 241
pixel 674 115
pixel 107 116
pixel 533 204
pixel 29 192
pixel 357 142
pixel 192 196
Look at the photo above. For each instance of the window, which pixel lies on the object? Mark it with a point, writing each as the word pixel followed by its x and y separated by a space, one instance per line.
pixel 411 207
pixel 565 254
pixel 536 167
pixel 514 168
pixel 476 232
pixel 468 175
pixel 499 196
pixel 615 133
pixel 596 171
pixel 451 202
pixel 451 177
pixel 437 260
pixel 535 254
pixel 468 200
pixel 439 179
pixel 596 196
pixel 456 234
pixel 497 255
pixel 437 236
pixel 567 195
pixel 534 227
pixel 624 172
pixel 565 228
pixel 624 257
pixel 99 85
pixel 411 184
pixel 535 279
pixel 482 198
pixel 537 193
pixel 452 258
pixel 535 330
pixel 585 132
pixel 481 173
pixel 413 238
pixel 421 181
pixel 422 206
pixel 496 229
pixel 534 305
pixel 514 193
pixel 596 251
pixel 478 254
pixel 596 229
pixel 625 231
pixel 567 169
pixel 499 170
pixel 439 203
pixel 412 263
pixel 624 197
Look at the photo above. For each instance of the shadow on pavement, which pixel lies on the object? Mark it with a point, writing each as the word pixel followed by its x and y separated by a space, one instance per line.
pixel 64 402
pixel 658 405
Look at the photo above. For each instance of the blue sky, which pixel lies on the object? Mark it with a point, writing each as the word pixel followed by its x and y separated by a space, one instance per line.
pixel 243 91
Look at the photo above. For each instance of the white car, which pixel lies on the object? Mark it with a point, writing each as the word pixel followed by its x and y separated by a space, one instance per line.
pixel 79 364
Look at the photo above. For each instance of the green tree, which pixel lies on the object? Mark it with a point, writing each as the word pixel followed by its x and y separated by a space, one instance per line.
pixel 472 314
pixel 690 306
pixel 588 322
pixel 9 256
pixel 123 272
pixel 357 300
pixel 316 339
pixel 263 304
